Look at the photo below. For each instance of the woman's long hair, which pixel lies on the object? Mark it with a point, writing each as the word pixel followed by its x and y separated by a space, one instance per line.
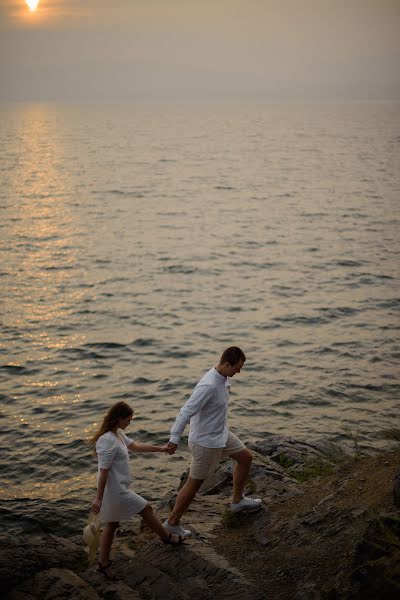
pixel 120 410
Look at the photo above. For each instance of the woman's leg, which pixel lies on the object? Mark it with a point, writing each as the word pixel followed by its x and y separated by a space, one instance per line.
pixel 155 524
pixel 106 541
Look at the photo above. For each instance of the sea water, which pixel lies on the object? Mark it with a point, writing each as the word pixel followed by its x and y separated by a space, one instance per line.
pixel 137 242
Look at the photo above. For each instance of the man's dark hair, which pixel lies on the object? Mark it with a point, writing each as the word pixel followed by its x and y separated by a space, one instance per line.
pixel 232 355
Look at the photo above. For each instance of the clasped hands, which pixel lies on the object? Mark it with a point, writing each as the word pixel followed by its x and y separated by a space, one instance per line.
pixel 170 448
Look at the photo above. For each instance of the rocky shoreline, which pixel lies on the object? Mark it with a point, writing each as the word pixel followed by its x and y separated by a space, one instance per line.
pixel 329 530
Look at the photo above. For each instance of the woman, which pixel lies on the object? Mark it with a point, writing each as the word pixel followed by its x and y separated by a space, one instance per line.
pixel 114 500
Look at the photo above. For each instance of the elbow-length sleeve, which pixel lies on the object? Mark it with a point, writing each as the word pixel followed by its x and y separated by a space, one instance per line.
pixel 106 449
pixel 126 439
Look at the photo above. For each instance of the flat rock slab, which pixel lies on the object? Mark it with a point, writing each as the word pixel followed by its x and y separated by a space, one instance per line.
pixel 193 571
pixel 21 558
pixel 117 590
pixel 53 584
pixel 198 571
pixel 288 451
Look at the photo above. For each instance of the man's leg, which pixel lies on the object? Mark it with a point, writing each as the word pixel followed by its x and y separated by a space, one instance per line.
pixel 183 499
pixel 240 473
pixel 203 461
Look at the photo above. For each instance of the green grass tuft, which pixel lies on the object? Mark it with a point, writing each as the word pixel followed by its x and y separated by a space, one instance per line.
pixel 251 486
pixel 311 471
pixel 285 461
pixel 229 519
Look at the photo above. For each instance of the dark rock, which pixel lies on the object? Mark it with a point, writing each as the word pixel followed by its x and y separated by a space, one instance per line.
pixel 396 491
pixel 141 574
pixel 53 584
pixel 19 594
pixel 289 452
pixel 156 571
pixel 356 513
pixel 257 519
pixel 59 584
pixel 117 590
pixel 377 561
pixel 260 529
pixel 325 519
pixel 199 572
pixel 164 572
pixel 21 558
pixel 308 591
pixel 138 580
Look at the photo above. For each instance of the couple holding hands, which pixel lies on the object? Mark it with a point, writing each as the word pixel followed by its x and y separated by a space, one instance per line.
pixel 210 441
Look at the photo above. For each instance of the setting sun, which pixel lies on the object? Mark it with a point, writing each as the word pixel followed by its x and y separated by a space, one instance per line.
pixel 33 4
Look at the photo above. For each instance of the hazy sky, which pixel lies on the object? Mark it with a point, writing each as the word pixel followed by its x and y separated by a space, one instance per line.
pixel 200 49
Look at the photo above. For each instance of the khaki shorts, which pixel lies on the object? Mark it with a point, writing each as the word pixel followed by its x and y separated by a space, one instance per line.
pixel 205 460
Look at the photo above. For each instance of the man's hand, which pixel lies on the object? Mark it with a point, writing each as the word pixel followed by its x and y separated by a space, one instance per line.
pixel 165 449
pixel 171 447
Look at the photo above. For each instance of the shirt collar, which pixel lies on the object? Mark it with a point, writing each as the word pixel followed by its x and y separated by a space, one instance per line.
pixel 222 379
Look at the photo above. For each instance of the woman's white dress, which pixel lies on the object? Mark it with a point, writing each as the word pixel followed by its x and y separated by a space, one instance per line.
pixel 119 502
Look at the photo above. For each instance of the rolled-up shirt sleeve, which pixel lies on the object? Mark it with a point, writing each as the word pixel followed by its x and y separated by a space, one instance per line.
pixel 199 398
pixel 106 450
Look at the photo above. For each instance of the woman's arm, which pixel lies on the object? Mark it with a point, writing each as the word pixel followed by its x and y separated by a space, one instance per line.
pixel 138 447
pixel 100 490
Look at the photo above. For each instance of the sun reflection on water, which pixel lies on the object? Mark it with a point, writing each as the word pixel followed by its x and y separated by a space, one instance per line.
pixel 41 293
pixel 42 227
pixel 66 488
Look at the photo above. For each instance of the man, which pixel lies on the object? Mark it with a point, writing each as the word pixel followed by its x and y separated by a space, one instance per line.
pixel 210 440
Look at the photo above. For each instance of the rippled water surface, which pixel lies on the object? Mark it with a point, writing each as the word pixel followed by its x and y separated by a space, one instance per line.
pixel 138 242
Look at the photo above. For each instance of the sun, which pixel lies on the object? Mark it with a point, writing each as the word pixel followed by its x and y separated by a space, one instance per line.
pixel 33 4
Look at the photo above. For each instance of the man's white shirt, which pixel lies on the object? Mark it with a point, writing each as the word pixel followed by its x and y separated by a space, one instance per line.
pixel 207 411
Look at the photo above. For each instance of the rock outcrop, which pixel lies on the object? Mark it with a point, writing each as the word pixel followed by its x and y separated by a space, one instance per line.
pixel 312 540
pixel 158 572
pixel 377 560
pixel 396 491
pixel 22 558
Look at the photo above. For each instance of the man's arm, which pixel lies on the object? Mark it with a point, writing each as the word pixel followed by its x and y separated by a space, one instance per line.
pixel 199 398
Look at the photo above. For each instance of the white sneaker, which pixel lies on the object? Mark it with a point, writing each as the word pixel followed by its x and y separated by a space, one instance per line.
pixel 248 504
pixel 177 529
